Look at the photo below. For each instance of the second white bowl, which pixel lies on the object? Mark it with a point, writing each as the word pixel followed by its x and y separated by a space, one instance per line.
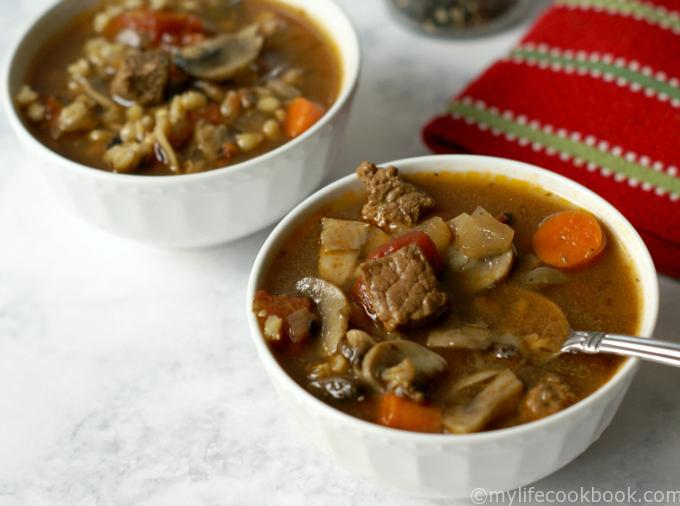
pixel 446 465
pixel 193 210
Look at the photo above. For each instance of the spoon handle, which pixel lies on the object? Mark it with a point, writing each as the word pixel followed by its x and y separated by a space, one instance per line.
pixel 591 342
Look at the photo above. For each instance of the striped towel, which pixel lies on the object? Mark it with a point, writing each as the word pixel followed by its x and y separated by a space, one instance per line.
pixel 593 93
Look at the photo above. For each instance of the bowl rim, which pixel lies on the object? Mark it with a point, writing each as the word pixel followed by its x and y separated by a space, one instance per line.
pixel 649 306
pixel 348 53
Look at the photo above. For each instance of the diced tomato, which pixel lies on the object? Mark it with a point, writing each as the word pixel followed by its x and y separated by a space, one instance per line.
pixel 420 239
pixel 290 309
pixel 159 28
pixel 212 114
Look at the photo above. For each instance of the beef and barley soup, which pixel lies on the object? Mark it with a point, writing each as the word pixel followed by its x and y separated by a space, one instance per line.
pixel 438 302
pixel 160 87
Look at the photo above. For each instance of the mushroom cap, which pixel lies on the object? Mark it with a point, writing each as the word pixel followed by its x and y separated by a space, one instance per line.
pixel 390 353
pixel 221 57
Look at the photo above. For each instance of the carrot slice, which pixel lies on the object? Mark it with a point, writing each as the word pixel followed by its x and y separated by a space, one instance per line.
pixel 405 414
pixel 569 239
pixel 302 114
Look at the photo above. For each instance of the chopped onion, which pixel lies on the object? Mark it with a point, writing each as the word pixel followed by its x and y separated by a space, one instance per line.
pixel 468 337
pixel 300 324
pixel 543 276
pixel 474 379
pixel 481 235
pixel 498 397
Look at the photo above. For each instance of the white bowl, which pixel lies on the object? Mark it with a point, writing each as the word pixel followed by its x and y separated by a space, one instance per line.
pixel 445 465
pixel 201 209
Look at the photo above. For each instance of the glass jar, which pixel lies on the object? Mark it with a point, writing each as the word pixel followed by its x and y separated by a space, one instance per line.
pixel 459 18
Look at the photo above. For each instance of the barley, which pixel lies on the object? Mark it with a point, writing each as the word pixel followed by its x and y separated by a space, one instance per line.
pixel 147 145
pixel 79 69
pixel 147 122
pixel 36 112
pixel 231 106
pixel 112 118
pixel 102 19
pixel 292 76
pixel 123 157
pixel 192 100
pixel 249 141
pixel 177 109
pixel 127 133
pixel 190 5
pixel 140 131
pixel 268 104
pixel 135 112
pixel 26 96
pixel 271 129
pixel 99 135
pixel 159 5
pixel 76 116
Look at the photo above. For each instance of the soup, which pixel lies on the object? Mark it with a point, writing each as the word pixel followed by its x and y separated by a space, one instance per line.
pixel 438 302
pixel 174 87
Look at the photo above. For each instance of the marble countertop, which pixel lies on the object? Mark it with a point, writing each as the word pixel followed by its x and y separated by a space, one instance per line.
pixel 128 376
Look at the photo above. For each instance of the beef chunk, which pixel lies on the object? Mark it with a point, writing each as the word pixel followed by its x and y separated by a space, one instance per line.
pixel 550 395
pixel 391 201
pixel 142 77
pixel 401 288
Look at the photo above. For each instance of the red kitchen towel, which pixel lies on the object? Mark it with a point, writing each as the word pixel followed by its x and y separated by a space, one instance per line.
pixel 591 92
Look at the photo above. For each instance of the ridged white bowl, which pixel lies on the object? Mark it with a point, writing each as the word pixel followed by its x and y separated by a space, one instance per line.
pixel 441 465
pixel 202 209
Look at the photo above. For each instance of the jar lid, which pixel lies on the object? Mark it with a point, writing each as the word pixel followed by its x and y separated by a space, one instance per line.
pixel 459 18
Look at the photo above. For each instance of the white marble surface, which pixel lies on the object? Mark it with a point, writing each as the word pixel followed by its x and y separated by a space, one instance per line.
pixel 127 376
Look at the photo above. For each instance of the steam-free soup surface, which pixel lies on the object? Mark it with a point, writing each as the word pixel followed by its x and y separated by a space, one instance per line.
pixel 502 336
pixel 175 87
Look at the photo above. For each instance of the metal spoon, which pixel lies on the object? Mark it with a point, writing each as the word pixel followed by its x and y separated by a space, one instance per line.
pixel 591 342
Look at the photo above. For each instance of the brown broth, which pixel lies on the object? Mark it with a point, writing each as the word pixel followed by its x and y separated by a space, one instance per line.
pixel 605 296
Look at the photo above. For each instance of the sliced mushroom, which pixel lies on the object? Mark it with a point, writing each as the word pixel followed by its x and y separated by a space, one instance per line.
pixel 538 321
pixel 476 275
pixel 388 354
pixel 498 397
pixel 339 388
pixel 467 337
pixel 357 344
pixel 333 308
pixel 543 276
pixel 221 57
